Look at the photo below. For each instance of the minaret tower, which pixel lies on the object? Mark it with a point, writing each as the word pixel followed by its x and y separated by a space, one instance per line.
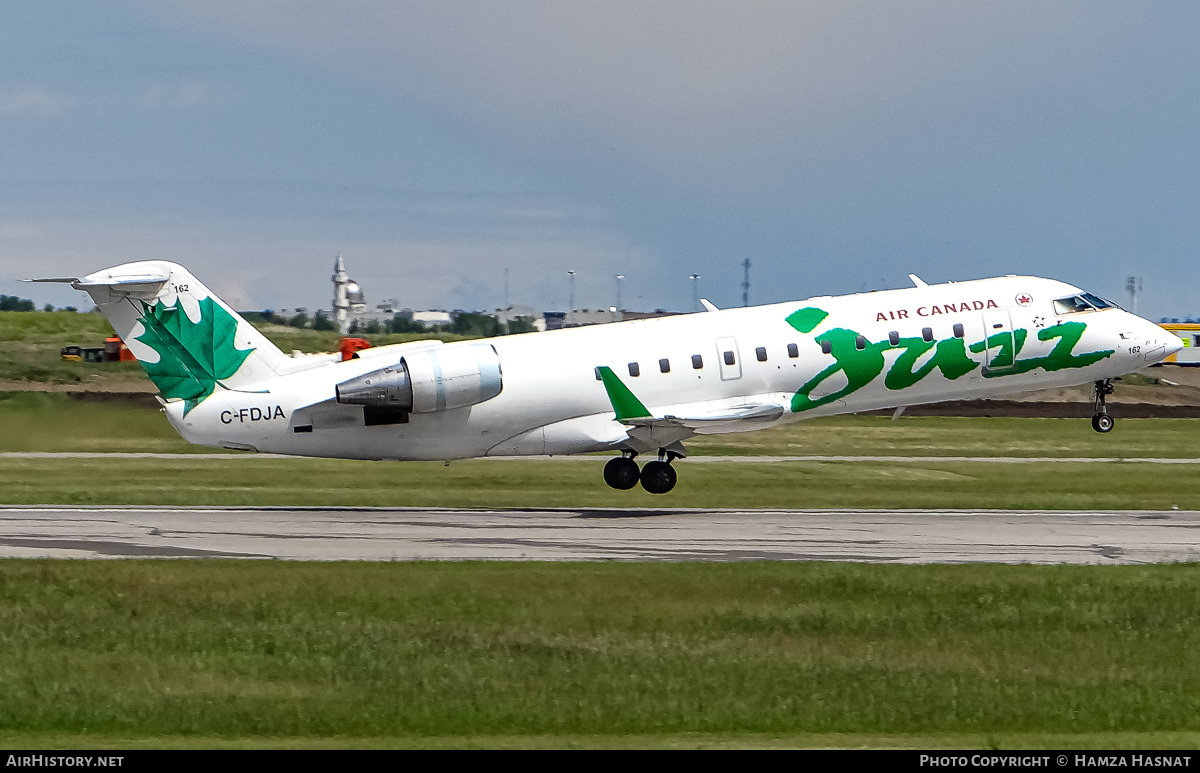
pixel 341 299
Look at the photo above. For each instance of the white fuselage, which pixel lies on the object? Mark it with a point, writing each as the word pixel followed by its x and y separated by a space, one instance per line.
pixel 552 401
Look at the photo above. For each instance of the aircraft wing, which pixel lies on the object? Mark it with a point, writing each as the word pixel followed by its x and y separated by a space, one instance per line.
pixel 665 428
pixel 755 412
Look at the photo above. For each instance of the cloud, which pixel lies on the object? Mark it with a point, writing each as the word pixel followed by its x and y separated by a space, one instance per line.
pixel 705 92
pixel 181 96
pixel 34 102
pixel 263 259
pixel 831 140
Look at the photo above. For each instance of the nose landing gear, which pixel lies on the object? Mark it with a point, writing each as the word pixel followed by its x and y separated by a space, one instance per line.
pixel 1101 421
pixel 657 477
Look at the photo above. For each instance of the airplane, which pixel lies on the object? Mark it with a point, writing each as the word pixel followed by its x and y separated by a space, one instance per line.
pixel 633 388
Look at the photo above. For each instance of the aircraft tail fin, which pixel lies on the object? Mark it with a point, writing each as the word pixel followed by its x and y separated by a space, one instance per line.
pixel 188 340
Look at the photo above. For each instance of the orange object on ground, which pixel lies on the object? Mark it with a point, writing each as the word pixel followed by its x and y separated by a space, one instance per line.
pixel 349 346
pixel 115 350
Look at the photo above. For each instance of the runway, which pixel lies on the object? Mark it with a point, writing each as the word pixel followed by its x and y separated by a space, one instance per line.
pixel 326 534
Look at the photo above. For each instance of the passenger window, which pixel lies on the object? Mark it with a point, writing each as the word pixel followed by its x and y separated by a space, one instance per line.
pixel 927 333
pixel 729 358
pixel 793 351
pixel 894 338
pixel 860 343
pixel 958 330
pixel 697 361
pixel 761 353
pixel 826 347
pixel 664 365
pixel 634 370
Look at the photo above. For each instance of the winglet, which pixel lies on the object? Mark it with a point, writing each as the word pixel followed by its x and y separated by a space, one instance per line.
pixel 918 281
pixel 708 306
pixel 624 403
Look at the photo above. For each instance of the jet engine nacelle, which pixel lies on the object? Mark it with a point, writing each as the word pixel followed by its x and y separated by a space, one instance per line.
pixel 428 380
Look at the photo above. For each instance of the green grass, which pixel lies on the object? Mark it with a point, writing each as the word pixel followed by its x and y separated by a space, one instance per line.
pixel 30 344
pixel 50 422
pixel 253 480
pixel 598 654
pixel 54 422
pixel 961 436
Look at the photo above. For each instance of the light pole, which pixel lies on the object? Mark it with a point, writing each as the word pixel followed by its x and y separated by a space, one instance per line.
pixel 571 309
pixel 619 278
pixel 695 291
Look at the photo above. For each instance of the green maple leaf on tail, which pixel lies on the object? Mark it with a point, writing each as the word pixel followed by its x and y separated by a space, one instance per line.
pixel 193 357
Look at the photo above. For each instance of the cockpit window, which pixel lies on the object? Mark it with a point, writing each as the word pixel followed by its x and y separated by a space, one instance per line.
pixel 1072 305
pixel 1098 302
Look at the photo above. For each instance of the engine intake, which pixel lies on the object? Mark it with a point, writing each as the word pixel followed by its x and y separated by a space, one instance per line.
pixel 429 380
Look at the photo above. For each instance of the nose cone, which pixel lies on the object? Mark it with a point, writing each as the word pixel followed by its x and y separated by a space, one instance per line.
pixel 1160 343
pixel 1174 343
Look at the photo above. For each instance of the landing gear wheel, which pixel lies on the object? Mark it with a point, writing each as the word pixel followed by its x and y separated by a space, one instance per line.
pixel 658 477
pixel 621 472
pixel 1101 421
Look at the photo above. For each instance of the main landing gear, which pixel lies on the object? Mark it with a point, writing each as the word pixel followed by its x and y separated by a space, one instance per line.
pixel 1101 421
pixel 657 477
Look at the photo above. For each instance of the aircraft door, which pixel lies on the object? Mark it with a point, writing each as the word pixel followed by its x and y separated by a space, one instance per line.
pixel 729 358
pixel 999 354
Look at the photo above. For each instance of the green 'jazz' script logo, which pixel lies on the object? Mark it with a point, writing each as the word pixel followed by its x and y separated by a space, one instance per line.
pixel 193 357
pixel 860 360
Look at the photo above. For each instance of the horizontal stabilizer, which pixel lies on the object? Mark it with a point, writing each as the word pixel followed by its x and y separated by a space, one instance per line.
pixel 143 281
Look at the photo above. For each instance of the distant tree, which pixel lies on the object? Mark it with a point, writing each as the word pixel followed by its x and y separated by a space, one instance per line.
pixel 470 323
pixel 405 324
pixel 267 316
pixel 300 320
pixel 521 325
pixel 13 303
pixel 71 309
pixel 48 307
pixel 372 327
pixel 321 322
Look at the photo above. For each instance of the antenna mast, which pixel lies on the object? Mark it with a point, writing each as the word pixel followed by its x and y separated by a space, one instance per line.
pixel 1134 285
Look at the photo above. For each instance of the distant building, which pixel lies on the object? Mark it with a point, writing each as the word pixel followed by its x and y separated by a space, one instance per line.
pixel 432 318
pixel 348 297
pixel 350 311
pixel 1189 334
pixel 557 320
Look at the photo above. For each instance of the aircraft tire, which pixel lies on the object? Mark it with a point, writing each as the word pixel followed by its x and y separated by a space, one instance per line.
pixel 658 477
pixel 1102 422
pixel 621 472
